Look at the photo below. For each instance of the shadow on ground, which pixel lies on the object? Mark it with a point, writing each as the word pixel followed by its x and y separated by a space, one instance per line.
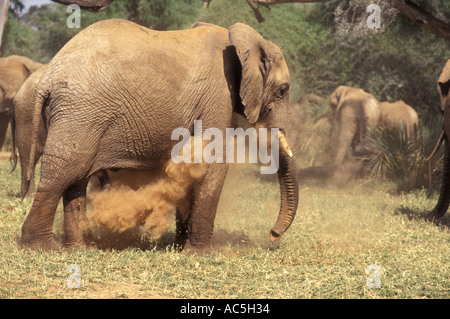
pixel 413 214
pixel 135 238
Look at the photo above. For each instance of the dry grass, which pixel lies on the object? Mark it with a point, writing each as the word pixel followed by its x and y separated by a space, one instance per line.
pixel 337 234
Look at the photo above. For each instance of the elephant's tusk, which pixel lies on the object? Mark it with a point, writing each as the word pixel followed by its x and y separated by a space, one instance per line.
pixel 438 144
pixel 284 144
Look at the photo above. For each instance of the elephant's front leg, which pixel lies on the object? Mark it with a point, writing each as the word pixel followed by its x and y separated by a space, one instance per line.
pixel 206 196
pixel 76 227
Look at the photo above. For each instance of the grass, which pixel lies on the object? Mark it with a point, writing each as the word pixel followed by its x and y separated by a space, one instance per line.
pixel 338 232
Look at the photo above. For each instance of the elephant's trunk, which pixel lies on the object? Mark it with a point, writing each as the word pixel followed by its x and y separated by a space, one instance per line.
pixel 444 196
pixel 288 178
pixel 347 129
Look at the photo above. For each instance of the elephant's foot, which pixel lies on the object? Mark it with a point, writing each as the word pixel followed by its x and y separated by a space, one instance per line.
pixel 77 237
pixel 40 243
pixel 179 245
pixel 201 249
pixel 433 215
pixel 75 243
pixel 181 237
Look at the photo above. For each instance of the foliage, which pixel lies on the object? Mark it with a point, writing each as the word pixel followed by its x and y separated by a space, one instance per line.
pixel 42 32
pixel 393 64
pixel 162 14
pixel 18 39
pixel 403 160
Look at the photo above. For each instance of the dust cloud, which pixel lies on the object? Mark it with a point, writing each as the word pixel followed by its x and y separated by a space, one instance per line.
pixel 142 199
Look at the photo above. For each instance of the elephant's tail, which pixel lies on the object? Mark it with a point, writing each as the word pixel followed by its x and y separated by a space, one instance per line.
pixel 41 95
pixel 13 157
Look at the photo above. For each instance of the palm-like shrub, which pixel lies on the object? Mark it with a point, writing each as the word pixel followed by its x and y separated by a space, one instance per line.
pixel 395 157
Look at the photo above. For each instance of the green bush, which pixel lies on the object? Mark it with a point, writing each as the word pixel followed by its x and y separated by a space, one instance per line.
pixel 402 160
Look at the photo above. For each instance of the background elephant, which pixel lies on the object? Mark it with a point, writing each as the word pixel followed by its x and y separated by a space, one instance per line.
pixel 355 112
pixel 394 114
pixel 22 130
pixel 444 197
pixel 14 70
pixel 116 103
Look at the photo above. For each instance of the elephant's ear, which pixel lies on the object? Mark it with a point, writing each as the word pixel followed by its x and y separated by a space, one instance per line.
pixel 334 100
pixel 252 52
pixel 444 80
pixel 29 65
pixel 444 84
pixel 444 88
pixel 337 96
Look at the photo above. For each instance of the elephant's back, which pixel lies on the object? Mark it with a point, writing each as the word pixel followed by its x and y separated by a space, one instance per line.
pixel 397 112
pixel 119 54
pixel 126 40
pixel 12 75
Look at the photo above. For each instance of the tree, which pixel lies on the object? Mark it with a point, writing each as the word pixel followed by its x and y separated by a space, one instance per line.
pixel 4 7
pixel 407 7
pixel 91 5
pixel 414 12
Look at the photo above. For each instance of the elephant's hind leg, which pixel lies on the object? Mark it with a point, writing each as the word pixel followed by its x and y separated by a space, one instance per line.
pixel 76 226
pixel 37 228
pixel 64 172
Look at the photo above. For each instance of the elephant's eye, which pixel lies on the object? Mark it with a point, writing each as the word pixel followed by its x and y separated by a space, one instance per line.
pixel 282 89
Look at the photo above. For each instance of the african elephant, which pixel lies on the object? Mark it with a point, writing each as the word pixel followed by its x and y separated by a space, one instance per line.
pixel 21 132
pixel 123 96
pixel 394 114
pixel 444 197
pixel 14 70
pixel 21 128
pixel 355 112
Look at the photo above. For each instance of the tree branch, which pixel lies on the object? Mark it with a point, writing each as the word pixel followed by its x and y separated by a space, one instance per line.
pixel 421 17
pixel 90 5
pixel 407 7
pixel 254 4
pixel 206 4
pixel 272 2
pixel 4 6
pixel 256 11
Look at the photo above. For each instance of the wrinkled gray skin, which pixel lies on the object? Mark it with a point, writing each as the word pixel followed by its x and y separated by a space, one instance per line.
pixel 355 112
pixel 444 92
pixel 399 113
pixel 14 70
pixel 21 132
pixel 115 92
